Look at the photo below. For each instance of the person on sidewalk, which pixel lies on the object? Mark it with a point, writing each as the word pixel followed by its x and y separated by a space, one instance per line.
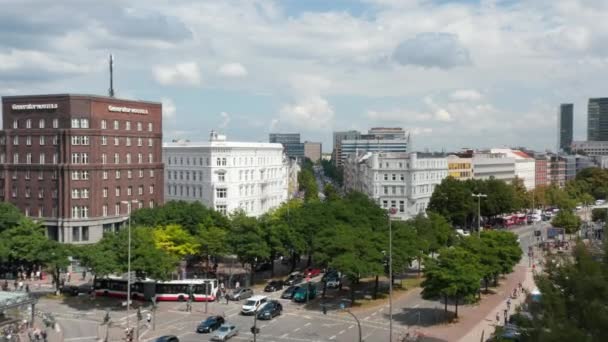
pixel 497 317
pixel 148 318
pixel 227 297
pixel 508 304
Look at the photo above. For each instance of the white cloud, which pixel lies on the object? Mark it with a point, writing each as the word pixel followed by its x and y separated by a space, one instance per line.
pixel 313 113
pixel 187 73
pixel 465 95
pixel 169 108
pixel 443 115
pixel 225 120
pixel 232 70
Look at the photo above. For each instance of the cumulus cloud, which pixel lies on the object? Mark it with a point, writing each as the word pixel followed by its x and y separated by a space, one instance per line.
pixel 465 95
pixel 232 70
pixel 225 120
pixel 186 73
pixel 432 49
pixel 31 65
pixel 312 113
pixel 169 108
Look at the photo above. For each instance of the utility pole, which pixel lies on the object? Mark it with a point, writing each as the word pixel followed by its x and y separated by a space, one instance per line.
pixel 479 196
pixel 391 211
pixel 129 263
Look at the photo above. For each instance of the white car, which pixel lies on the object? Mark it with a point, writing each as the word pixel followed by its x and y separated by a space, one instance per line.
pixel 462 232
pixel 252 304
pixel 225 332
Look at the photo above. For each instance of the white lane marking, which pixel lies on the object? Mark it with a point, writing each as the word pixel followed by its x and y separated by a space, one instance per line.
pixel 366 318
pixel 375 313
pixel 296 329
pixel 417 305
pixel 307 324
pixel 341 332
pixel 263 326
pixel 351 326
pixel 94 338
pixel 284 335
pixel 333 337
pixel 307 317
pixel 57 328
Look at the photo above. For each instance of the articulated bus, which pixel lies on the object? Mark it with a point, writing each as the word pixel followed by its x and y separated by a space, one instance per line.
pixel 199 290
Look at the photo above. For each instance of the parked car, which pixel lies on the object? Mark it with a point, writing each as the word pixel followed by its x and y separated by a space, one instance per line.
pixel 332 283
pixel 462 232
pixel 274 285
pixel 167 338
pixel 253 304
pixel 225 332
pixel 294 278
pixel 300 295
pixel 270 310
pixel 331 273
pixel 265 266
pixel 210 324
pixel 312 272
pixel 241 293
pixel 288 293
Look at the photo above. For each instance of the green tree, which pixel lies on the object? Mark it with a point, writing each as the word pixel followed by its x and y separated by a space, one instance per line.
pixel 488 254
pixel 452 199
pixel 598 214
pixel 308 184
pixel 188 215
pixel 175 240
pixel 330 192
pixel 246 240
pixel 455 274
pixel 213 240
pixel 55 255
pixel 521 198
pixel 568 220
pixel 10 216
pixel 26 242
pixel 333 172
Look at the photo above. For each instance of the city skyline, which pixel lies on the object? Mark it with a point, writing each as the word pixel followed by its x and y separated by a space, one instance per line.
pixel 509 65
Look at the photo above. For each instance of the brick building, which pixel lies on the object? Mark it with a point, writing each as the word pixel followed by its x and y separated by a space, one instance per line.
pixel 77 163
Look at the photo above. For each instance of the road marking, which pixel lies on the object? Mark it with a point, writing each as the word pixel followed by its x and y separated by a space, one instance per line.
pixel 284 335
pixel 307 317
pixel 366 318
pixel 57 328
pixel 307 324
pixel 374 314
pixel 417 305
pixel 341 332
pixel 263 326
pixel 351 326
pixel 333 337
pixel 296 329
pixel 81 338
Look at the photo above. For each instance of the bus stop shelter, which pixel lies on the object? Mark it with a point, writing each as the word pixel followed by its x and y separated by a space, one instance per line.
pixel 16 300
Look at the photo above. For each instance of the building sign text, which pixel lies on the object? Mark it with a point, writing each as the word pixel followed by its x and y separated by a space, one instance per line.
pixel 31 106
pixel 127 110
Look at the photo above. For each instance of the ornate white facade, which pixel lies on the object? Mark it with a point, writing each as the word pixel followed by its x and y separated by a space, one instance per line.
pixel 225 175
pixel 399 180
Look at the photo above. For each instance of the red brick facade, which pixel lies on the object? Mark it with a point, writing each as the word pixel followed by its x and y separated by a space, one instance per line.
pixel 72 160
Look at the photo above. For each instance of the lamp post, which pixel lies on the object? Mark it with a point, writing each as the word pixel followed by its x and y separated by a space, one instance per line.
pixel 128 203
pixel 479 196
pixel 391 211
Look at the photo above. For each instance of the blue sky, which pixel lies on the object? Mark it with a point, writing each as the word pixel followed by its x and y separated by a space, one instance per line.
pixel 483 73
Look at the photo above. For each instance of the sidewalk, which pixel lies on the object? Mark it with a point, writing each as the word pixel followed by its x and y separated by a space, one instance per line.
pixel 475 320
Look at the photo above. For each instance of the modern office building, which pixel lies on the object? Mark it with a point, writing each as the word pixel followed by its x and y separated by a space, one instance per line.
pixel 583 162
pixel 227 175
pixel 488 165
pixel 565 124
pixel 79 163
pixel 525 166
pixel 293 148
pixel 556 171
pixel 460 168
pixel 312 150
pixel 378 139
pixel 403 181
pixel 591 148
pixel 570 164
pixel 337 148
pixel 597 119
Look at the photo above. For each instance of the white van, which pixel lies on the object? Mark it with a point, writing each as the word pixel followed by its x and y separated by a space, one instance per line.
pixel 252 304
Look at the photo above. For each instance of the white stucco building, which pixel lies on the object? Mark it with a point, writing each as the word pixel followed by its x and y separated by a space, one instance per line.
pixel 488 165
pixel 404 181
pixel 226 175
pixel 525 166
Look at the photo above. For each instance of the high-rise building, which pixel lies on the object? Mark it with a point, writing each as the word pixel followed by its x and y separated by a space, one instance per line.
pixel 337 150
pixel 565 125
pixel 312 150
pixel 227 175
pixel 291 142
pixel 597 119
pixel 376 140
pixel 80 163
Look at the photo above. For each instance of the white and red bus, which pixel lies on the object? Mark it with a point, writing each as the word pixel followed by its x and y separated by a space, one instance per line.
pixel 174 290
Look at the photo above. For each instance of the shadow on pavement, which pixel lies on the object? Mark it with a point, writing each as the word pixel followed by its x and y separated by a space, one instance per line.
pixel 423 317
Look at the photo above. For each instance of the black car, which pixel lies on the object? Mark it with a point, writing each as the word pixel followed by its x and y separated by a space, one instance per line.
pixel 294 278
pixel 241 293
pixel 210 324
pixel 288 294
pixel 167 338
pixel 274 285
pixel 270 310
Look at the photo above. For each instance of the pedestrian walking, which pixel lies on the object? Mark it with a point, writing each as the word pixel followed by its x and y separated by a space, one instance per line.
pixel 20 285
pixel 227 297
pixel 506 313
pixel 509 304
pixel 69 277
pixel 44 335
pixel 84 275
pixel 15 284
pixel 148 318
pixel 237 285
pixel 497 317
pixel 27 288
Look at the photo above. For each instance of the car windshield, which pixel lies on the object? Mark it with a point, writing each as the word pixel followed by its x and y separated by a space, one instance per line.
pixel 224 328
pixel 209 320
pixel 250 303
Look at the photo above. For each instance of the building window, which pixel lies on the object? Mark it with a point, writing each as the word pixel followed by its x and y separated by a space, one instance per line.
pixel 116 124
pixel 41 193
pixel 15 158
pixel 85 234
pixel 105 192
pixel 28 158
pixel 221 193
pixel 84 123
pixel 42 159
pixel 15 123
pixel 139 126
pixel 75 123
pixel 117 209
pixel 117 174
pixel 128 158
pixel 385 204
pixel 394 177
pixel 129 191
pixel 221 177
pixel 117 191
pixel 385 190
pixel 151 189
pixel 151 204
pixel 149 127
pixel 128 125
pixel 150 158
pixel 76 234
pixel 221 208
pixel 104 124
pixel 393 204
pixel 139 142
pixel 394 190
pixel 128 141
pixel 149 142
pixel 104 140
pixel 104 158
pixel 140 190
pixel 28 141
pixel 16 140
pixel 104 210
pixel 129 174
pixel 151 173
pixel 75 194
pixel 105 174
pixel 386 176
pixel 116 158
pixel 141 173
pixel 116 141
pixel 28 192
pixel 55 140
pixel 42 141
pixel 140 158
pixel 28 123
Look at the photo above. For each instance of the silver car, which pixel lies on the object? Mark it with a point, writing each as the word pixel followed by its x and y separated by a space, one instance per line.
pixel 225 332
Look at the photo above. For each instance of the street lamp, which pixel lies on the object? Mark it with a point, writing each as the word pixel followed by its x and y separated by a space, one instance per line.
pixel 479 196
pixel 128 203
pixel 391 211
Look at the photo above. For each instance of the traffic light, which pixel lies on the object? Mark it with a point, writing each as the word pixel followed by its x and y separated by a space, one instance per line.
pixel 255 330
